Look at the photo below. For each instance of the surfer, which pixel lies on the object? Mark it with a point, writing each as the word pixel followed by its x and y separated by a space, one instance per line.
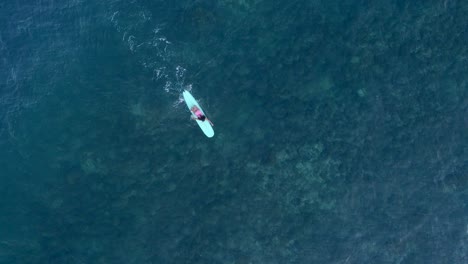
pixel 199 115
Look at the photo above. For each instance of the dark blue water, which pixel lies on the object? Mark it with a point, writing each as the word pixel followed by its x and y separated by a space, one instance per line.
pixel 341 132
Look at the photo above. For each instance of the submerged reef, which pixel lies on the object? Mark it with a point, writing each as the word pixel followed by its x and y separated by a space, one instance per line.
pixel 340 135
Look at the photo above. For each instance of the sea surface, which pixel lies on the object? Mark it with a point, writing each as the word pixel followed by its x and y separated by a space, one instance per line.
pixel 341 131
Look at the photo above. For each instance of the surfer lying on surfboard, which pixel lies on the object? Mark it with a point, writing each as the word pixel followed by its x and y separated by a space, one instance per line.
pixel 199 115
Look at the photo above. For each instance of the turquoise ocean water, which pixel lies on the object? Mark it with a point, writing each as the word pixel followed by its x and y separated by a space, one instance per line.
pixel 341 131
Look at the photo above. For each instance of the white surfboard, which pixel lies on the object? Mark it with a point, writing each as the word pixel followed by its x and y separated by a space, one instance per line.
pixel 204 125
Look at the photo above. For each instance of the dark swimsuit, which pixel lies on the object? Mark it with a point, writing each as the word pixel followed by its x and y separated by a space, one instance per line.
pixel 200 115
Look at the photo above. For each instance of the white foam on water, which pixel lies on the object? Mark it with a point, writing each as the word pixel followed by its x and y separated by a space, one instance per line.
pixel 144 37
